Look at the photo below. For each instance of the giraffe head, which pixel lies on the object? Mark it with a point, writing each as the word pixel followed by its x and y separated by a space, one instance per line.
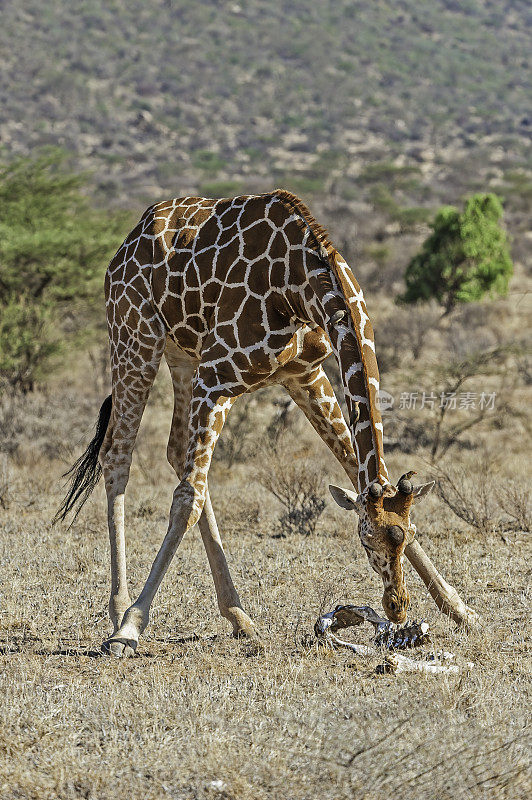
pixel 385 530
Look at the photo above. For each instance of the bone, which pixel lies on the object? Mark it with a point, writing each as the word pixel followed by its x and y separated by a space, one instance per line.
pixel 394 662
pixel 414 634
pixel 386 635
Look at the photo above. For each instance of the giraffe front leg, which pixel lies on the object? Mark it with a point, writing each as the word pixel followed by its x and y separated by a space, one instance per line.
pixel 313 393
pixel 315 396
pixel 444 595
pixel 227 596
pixel 207 415
pixel 228 599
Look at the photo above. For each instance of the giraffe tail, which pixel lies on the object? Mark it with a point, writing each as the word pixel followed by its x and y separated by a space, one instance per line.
pixel 85 473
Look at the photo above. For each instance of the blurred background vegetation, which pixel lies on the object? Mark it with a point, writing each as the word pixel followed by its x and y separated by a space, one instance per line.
pixel 53 247
pixel 365 104
pixel 376 114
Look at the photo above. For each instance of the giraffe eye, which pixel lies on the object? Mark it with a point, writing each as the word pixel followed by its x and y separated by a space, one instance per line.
pixel 396 535
pixel 393 606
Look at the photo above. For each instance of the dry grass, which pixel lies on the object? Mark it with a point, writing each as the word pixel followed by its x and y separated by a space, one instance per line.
pixel 197 714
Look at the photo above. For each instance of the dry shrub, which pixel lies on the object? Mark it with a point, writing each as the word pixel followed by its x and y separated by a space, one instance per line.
pixel 439 421
pixel 242 433
pixel 283 418
pixel 403 334
pixel 514 500
pixel 477 498
pixel 473 500
pixel 298 484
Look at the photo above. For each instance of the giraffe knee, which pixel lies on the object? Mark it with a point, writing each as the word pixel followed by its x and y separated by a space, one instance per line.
pixel 115 469
pixel 188 503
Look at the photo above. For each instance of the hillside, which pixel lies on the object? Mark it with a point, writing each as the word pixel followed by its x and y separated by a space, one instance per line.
pixel 169 97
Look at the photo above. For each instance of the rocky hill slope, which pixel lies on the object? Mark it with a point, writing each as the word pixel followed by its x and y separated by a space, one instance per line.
pixel 177 97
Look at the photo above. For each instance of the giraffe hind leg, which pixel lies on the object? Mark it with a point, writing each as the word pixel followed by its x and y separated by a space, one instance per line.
pixel 134 367
pixel 208 410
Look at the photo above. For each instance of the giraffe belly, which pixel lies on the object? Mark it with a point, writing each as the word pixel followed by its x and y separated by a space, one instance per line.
pixel 177 358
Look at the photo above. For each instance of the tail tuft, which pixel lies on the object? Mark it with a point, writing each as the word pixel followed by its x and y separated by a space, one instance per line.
pixel 86 472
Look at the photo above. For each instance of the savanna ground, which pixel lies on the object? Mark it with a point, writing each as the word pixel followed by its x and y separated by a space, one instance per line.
pixel 197 714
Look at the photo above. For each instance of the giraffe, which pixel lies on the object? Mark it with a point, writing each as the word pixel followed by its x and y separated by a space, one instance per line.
pixel 238 294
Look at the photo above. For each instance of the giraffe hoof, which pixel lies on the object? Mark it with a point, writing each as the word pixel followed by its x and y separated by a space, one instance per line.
pixel 119 648
pixel 246 633
pixel 468 619
pixel 243 626
pixel 251 639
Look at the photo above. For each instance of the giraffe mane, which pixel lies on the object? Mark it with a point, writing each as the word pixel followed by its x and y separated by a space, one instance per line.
pixel 294 204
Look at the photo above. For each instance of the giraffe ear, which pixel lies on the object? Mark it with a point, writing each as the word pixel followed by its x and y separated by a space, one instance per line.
pixel 425 488
pixel 345 498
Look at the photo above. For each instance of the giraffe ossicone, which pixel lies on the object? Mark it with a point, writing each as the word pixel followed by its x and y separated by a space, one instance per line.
pixel 237 294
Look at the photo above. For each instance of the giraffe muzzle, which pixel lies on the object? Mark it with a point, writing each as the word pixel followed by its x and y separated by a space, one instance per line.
pixel 395 606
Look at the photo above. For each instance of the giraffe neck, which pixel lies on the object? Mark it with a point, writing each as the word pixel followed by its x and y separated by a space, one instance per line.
pixel 335 288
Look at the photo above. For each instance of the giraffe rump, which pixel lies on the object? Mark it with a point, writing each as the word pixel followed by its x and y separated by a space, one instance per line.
pixel 85 473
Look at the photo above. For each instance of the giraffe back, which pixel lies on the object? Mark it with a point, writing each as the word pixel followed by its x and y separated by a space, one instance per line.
pixel 208 264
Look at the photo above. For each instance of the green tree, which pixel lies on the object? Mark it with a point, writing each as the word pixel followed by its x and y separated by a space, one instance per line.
pixel 465 256
pixel 53 252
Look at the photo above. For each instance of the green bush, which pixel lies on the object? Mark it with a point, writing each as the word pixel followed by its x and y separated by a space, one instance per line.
pixel 53 252
pixel 465 256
